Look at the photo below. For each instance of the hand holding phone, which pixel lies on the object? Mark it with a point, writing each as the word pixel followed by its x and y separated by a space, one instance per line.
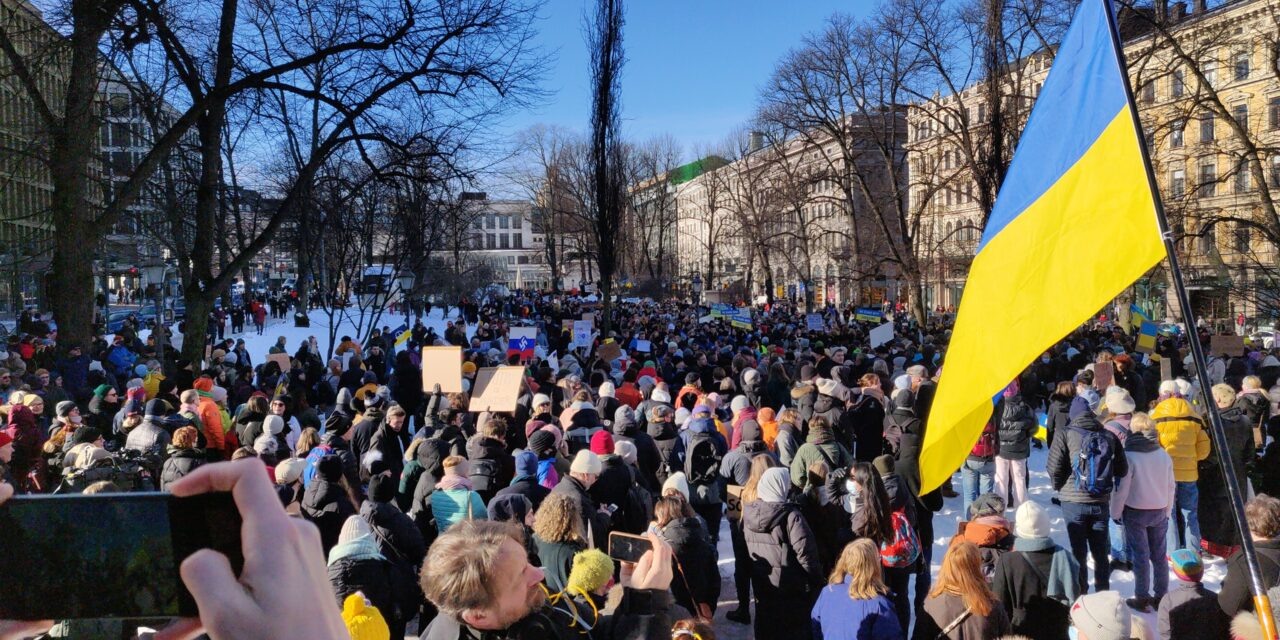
pixel 284 573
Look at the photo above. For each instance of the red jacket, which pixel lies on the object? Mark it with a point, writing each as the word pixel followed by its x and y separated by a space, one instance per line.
pixel 628 394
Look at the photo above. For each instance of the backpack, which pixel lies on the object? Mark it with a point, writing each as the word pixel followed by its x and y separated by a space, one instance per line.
pixel 313 462
pixel 702 460
pixel 1093 466
pixel 484 476
pixel 985 447
pixel 639 508
pixel 904 549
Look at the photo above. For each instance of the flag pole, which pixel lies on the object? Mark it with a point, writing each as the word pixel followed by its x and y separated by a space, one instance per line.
pixel 1261 603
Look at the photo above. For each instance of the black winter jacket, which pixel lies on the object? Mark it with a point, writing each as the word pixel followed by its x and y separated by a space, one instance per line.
pixel 695 558
pixel 784 551
pixel 371 576
pixel 180 463
pixel 1017 427
pixel 327 505
pixel 1065 450
pixel 528 487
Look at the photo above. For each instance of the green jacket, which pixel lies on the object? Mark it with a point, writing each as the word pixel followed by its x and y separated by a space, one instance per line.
pixel 831 452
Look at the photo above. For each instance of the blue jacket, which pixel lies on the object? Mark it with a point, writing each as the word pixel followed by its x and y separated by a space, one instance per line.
pixel 121 359
pixel 75 375
pixel 836 616
pixel 704 425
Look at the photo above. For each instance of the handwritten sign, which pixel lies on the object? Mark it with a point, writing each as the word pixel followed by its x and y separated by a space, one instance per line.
pixel 609 351
pixel 281 360
pixel 881 334
pixel 1226 345
pixel 442 366
pixel 582 330
pixel 496 389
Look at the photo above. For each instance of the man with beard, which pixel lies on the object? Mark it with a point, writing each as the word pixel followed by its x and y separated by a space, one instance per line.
pixel 479 577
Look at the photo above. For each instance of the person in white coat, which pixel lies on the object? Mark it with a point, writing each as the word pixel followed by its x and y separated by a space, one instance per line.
pixel 1143 501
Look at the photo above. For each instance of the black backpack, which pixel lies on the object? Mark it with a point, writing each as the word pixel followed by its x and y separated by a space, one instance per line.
pixel 639 507
pixel 484 476
pixel 702 460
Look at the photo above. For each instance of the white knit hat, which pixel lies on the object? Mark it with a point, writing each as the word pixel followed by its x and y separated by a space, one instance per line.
pixel 1119 401
pixel 585 462
pixel 1031 521
pixel 353 528
pixel 678 482
pixel 273 425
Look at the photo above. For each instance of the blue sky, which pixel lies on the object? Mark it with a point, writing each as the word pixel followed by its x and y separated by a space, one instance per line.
pixel 694 68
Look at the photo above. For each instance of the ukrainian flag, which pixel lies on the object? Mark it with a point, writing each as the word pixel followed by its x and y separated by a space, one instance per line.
pixel 1136 316
pixel 1146 337
pixel 1074 224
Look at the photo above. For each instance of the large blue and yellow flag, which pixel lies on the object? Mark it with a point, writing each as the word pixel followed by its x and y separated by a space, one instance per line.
pixel 1074 224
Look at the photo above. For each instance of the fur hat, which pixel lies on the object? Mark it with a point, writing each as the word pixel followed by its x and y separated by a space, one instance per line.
pixel 592 571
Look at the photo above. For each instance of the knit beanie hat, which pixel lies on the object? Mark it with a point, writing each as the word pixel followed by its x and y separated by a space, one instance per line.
pixel 101 390
pixel 751 431
pixel 541 441
pixel 1186 564
pixel 353 528
pixel 587 461
pixel 363 620
pixel 382 487
pixel 626 450
pixel 526 461
pixel 289 470
pixel 541 399
pixel 85 434
pixel 602 443
pixel 681 416
pixel 64 408
pixel 739 403
pixel 592 570
pixel 883 464
pixel 679 482
pixel 987 504
pixel 1031 521
pixel 1101 616
pixel 1119 401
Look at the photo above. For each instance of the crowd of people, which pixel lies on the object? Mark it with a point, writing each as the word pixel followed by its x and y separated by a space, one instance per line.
pixel 801 445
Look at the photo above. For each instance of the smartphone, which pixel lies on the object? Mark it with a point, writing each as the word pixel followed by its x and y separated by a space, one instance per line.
pixel 627 547
pixel 108 555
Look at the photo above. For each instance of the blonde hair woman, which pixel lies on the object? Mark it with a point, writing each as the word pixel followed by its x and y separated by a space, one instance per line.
pixel 558 535
pixel 855 597
pixel 961 606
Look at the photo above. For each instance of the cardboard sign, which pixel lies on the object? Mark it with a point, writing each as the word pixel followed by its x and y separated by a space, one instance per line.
pixel 815 323
pixel 1166 369
pixel 733 503
pixel 609 352
pixel 553 361
pixel 442 366
pixel 589 317
pixel 281 360
pixel 881 334
pixel 1226 345
pixel 1104 375
pixel 582 330
pixel 346 359
pixel 497 389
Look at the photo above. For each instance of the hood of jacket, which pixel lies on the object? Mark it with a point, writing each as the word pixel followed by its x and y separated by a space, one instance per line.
pixel 480 447
pixel 765 517
pixel 1142 441
pixel 663 430
pixel 1174 408
pixel 701 425
pixel 683 531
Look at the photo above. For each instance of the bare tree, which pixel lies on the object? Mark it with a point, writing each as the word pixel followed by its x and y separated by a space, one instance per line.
pixel 653 206
pixel 604 41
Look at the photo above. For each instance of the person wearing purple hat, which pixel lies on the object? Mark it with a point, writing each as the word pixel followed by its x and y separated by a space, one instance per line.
pixel 1085 464
pixel 525 482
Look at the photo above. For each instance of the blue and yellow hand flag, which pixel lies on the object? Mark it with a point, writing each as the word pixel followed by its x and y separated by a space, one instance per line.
pixel 1043 266
pixel 1137 316
pixel 1146 337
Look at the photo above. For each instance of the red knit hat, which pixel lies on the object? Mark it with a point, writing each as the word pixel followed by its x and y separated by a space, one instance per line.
pixel 602 443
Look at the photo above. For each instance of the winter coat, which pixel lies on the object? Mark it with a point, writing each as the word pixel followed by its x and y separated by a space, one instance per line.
pixel 1021 584
pixel 907 464
pixel 803 396
pixel 372 576
pixel 784 551
pixel 557 561
pixel 1057 417
pixel 528 487
pixel 640 614
pixel 940 611
pixel 390 445
pixel 1149 483
pixel 361 440
pixel 180 463
pixel 27 442
pixel 831 410
pixel 696 555
pixel 613 484
pixel 865 421
pixel 147 437
pixel 1217 525
pixel 1065 451
pixel 398 538
pixel 736 466
pixel 1183 435
pixel 1235 595
pixel 787 444
pixel 1017 427
pixel 450 506
pixel 832 453
pixel 836 616
pixel 1256 408
pixel 648 457
pixel 327 505
pixel 670 446
pixel 1192 609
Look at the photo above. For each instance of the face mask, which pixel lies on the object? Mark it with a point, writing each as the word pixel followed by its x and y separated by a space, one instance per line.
pixel 75 419
pixel 851 500
pixel 1044 359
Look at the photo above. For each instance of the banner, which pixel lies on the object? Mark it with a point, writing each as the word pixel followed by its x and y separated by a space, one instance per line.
pixel 521 340
pixel 868 315
pixel 582 330
pixel 815 323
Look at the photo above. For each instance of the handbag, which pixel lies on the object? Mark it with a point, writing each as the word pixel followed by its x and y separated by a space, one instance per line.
pixel 942 635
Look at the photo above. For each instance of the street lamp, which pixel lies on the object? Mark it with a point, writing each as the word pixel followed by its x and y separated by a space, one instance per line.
pixel 154 273
pixel 405 281
pixel 697 288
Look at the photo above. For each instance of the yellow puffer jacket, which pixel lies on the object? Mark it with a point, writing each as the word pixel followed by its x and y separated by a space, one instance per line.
pixel 1183 436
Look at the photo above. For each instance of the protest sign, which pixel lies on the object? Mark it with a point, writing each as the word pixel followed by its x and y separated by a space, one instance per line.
pixel 281 360
pixel 644 346
pixel 609 351
pixel 582 331
pixel 1226 345
pixel 814 322
pixel 1103 375
pixel 881 334
pixel 496 389
pixel 1166 369
pixel 442 366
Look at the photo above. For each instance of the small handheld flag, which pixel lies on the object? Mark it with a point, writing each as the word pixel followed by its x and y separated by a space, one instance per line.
pixel 521 340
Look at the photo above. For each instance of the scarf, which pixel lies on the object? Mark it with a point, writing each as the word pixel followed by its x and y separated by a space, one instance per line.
pixel 1061 582
pixel 454 482
pixel 361 548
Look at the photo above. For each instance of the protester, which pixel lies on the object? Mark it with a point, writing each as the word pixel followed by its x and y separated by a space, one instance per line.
pixel 786 574
pixel 1038 580
pixel 1142 501
pixel 961 605
pixel 853 605
pixel 558 537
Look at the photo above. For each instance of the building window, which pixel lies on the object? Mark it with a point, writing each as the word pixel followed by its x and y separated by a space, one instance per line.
pixel 1242 177
pixel 505 242
pixel 1242 238
pixel 517 240
pixel 1176 134
pixel 1178 85
pixel 1206 127
pixel 1209 240
pixel 1149 137
pixel 1208 180
pixel 503 222
pixel 1149 91
pixel 1273 113
pixel 1275 170
pixel 1178 183
pixel 491 221
pixel 511 259
pixel 1210 71
pixel 517 221
pixel 490 241
pixel 1242 65
pixel 1241 113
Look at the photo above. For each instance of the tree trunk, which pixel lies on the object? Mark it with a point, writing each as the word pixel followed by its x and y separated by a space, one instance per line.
pixel 198 305
pixel 916 292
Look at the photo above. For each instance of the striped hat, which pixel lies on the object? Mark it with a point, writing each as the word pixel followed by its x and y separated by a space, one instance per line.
pixel 1186 565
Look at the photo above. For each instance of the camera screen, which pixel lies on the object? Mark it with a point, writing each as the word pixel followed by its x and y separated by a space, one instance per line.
pixel 102 556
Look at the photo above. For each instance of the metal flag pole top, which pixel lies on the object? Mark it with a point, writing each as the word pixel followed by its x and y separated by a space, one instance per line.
pixel 1261 603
